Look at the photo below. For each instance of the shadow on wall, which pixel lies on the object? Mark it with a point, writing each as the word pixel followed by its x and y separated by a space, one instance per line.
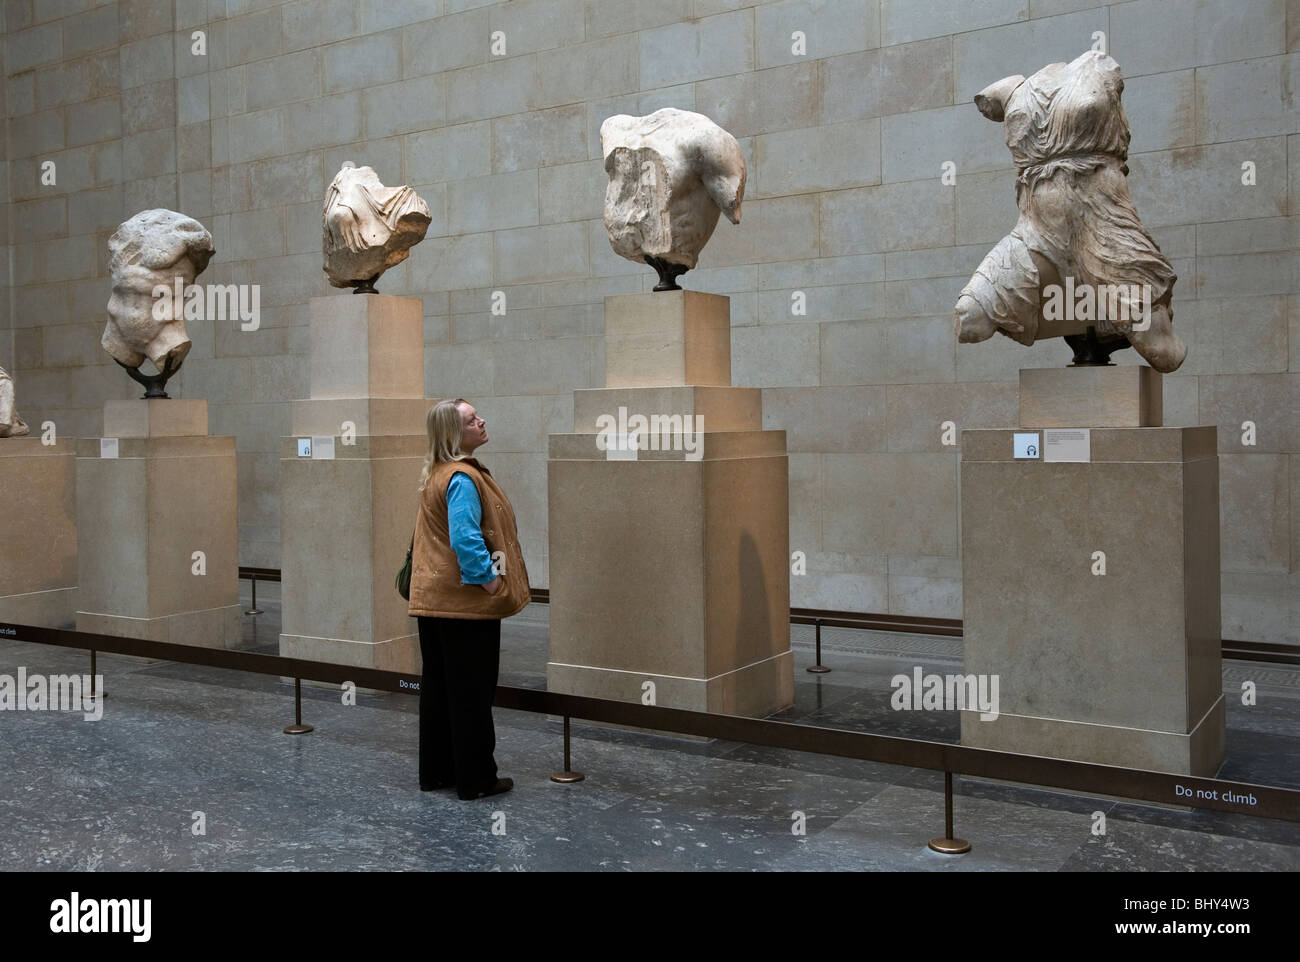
pixel 754 625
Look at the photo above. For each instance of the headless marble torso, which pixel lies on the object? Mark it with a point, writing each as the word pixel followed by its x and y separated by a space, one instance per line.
pixel 1068 136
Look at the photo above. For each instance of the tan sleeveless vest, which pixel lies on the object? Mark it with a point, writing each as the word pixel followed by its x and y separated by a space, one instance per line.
pixel 436 589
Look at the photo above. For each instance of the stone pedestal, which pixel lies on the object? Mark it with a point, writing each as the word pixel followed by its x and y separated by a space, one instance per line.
pixel 1118 668
pixel 38 531
pixel 675 338
pixel 171 491
pixel 1091 397
pixel 670 563
pixel 346 520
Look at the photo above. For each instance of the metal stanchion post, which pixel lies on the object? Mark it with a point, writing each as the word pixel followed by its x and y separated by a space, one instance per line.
pixel 568 775
pixel 93 684
pixel 297 728
pixel 254 610
pixel 948 845
pixel 819 668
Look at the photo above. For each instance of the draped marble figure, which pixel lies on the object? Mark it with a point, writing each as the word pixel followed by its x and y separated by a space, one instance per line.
pixel 154 249
pixel 368 228
pixel 1078 231
pixel 670 174
pixel 11 425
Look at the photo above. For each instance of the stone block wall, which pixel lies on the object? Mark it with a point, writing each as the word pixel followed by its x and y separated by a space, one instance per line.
pixel 845 141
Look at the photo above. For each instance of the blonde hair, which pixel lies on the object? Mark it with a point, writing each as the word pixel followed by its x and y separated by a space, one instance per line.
pixel 444 424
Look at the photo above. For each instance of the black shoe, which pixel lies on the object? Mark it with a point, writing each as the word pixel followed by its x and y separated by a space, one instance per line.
pixel 501 785
pixel 436 786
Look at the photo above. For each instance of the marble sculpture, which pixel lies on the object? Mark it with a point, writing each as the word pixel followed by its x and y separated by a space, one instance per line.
pixel 368 228
pixel 1078 258
pixel 670 174
pixel 154 249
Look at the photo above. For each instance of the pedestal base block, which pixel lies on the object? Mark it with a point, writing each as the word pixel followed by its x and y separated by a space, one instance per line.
pixel 1199 752
pixel 38 532
pixel 56 608
pixel 158 552
pixel 753 691
pixel 669 522
pixel 393 654
pixel 1091 397
pixel 346 520
pixel 668 338
pixel 156 418
pixel 1091 592
pixel 672 571
pixel 367 346
pixel 345 524
pixel 210 628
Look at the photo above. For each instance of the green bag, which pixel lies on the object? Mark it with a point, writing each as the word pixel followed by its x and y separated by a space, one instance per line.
pixel 404 576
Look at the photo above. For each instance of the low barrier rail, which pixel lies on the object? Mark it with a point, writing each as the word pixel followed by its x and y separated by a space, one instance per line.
pixel 1161 787
pixel 867 621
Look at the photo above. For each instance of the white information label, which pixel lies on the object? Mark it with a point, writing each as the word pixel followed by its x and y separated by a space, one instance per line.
pixel 1026 446
pixel 1067 444
pixel 108 447
pixel 322 447
pixel 621 447
pixel 304 447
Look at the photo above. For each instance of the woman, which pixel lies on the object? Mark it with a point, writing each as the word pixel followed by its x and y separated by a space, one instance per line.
pixel 467 573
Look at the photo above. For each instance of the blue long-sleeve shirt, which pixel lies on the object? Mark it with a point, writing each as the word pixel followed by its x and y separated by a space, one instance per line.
pixel 464 525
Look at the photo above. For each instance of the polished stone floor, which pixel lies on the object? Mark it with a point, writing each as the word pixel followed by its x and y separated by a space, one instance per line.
pixel 122 793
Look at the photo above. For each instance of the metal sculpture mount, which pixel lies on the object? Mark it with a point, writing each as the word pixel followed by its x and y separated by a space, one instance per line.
pixel 368 228
pixel 1092 351
pixel 1078 264
pixel 671 174
pixel 668 273
pixel 155 385
pixel 155 249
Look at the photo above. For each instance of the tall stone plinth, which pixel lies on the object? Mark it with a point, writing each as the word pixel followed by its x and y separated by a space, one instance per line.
pixel 1091 589
pixel 669 563
pixel 38 531
pixel 1128 396
pixel 144 516
pixel 348 499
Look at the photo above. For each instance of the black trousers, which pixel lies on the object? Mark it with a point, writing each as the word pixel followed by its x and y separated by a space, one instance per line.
pixel 457 738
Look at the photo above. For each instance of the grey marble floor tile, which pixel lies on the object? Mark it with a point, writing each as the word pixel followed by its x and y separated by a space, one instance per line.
pixel 1262 759
pixel 817 764
pixel 1031 796
pixel 1130 846
pixel 891 832
pixel 1209 822
pixel 177 739
pixel 870 711
pixel 722 786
